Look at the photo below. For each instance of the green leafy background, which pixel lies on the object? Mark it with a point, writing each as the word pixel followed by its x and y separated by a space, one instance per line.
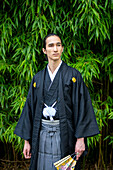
pixel 85 27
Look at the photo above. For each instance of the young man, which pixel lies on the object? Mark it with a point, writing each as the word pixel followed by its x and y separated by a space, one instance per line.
pixel 58 115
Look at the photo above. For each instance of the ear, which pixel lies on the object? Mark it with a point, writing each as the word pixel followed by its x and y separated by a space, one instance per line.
pixel 44 50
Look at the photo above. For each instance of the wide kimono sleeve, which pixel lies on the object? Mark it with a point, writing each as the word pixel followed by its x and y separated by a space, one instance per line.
pixel 24 125
pixel 84 116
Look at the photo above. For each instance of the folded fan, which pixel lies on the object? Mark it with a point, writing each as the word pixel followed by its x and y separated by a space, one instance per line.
pixel 66 163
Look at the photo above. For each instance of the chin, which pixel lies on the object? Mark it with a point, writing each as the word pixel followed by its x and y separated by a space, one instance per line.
pixel 56 58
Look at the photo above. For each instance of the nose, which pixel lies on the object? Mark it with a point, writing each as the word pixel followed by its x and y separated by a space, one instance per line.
pixel 55 48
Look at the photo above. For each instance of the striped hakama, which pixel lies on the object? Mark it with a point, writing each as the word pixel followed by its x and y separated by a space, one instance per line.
pixel 49 145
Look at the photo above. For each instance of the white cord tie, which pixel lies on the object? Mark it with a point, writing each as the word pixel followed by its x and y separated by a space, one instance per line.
pixel 49 111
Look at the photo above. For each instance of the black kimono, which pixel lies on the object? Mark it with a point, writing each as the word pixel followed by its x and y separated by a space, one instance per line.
pixel 76 115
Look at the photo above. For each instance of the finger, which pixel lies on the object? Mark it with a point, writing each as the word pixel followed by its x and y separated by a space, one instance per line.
pixel 28 155
pixel 77 155
pixel 25 152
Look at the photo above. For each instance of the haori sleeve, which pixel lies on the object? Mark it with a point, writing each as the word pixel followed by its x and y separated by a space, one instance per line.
pixel 86 124
pixel 24 125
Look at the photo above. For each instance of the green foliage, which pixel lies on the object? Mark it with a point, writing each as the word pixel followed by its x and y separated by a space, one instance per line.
pixel 109 112
pixel 88 64
pixel 108 65
pixel 111 140
pixel 85 27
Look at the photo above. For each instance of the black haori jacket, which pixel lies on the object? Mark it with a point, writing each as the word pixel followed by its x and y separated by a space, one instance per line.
pixel 76 115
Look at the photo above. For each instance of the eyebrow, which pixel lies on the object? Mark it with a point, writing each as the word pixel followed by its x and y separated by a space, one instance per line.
pixel 53 43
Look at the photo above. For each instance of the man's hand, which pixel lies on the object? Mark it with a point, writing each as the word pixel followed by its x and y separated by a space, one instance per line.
pixel 79 147
pixel 26 150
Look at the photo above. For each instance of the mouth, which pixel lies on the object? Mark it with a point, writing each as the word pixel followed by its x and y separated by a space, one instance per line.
pixel 56 54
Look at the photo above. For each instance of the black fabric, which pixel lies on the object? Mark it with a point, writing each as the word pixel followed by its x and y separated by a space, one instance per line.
pixel 76 113
pixel 51 92
pixel 78 165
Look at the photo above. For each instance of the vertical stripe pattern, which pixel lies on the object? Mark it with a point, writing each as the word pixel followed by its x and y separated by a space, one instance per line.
pixel 49 145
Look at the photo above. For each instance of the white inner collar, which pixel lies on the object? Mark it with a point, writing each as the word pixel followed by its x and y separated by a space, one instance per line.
pixel 52 75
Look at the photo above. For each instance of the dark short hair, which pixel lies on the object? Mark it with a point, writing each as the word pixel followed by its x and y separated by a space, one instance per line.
pixel 51 34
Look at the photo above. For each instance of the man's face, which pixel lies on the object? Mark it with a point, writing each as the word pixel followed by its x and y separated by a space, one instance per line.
pixel 54 48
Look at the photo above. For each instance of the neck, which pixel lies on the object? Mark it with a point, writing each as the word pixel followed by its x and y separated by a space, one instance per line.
pixel 53 65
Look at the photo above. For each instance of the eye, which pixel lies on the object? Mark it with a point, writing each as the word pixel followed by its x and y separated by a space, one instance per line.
pixel 50 45
pixel 58 44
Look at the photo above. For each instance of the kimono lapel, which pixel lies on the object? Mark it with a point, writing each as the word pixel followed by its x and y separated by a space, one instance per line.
pixel 53 85
pixel 40 94
pixel 47 80
pixel 38 110
pixel 62 114
pixel 62 75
